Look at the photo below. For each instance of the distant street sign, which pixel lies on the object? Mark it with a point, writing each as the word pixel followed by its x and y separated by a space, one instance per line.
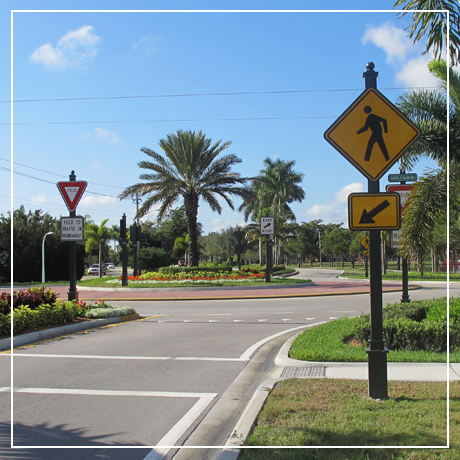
pixel 410 177
pixel 395 235
pixel 72 228
pixel 404 192
pixel 365 242
pixel 379 211
pixel 71 192
pixel 372 134
pixel 267 225
pixel 365 253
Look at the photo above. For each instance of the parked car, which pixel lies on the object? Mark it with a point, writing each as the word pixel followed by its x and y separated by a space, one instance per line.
pixel 110 266
pixel 181 263
pixel 94 269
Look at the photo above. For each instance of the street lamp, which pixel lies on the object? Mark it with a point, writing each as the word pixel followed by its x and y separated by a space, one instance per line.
pixel 43 256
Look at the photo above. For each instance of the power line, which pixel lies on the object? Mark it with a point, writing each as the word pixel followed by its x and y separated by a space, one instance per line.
pixel 47 181
pixel 54 174
pixel 164 121
pixel 242 93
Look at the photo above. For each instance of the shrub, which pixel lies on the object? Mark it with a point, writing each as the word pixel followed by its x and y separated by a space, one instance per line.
pixel 32 297
pixel 109 312
pixel 177 270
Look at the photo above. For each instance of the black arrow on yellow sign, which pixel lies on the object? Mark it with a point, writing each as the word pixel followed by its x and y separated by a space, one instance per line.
pixel 368 217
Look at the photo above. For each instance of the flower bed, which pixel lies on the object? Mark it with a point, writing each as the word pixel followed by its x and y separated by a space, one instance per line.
pixel 186 277
pixel 37 308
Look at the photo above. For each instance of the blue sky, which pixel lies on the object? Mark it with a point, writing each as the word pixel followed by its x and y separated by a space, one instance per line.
pixel 310 62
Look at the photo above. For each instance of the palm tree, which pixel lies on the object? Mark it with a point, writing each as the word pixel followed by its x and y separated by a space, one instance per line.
pixel 428 110
pixel 434 24
pixel 190 170
pixel 96 236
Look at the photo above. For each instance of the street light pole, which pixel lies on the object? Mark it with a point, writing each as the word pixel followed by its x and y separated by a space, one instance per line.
pixel 43 255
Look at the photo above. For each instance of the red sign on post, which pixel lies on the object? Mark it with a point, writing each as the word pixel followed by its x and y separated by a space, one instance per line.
pixel 403 190
pixel 71 192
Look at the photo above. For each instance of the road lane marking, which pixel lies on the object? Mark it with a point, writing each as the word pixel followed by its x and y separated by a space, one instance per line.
pixel 253 348
pixel 262 320
pixel 213 321
pixel 238 320
pixel 310 319
pixel 147 358
pixel 334 317
pixel 174 434
pixel 288 319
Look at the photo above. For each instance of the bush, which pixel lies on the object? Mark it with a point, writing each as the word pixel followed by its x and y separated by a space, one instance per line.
pixel 176 270
pixel 25 317
pixel 32 297
pixel 109 312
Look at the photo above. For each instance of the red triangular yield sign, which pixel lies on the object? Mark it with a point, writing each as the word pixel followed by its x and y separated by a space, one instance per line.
pixel 72 191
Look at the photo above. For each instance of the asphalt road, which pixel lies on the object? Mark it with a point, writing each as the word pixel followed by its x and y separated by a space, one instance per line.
pixel 181 376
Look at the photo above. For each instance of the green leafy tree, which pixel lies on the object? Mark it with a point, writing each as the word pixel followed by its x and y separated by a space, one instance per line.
pixel 97 236
pixel 433 25
pixel 190 170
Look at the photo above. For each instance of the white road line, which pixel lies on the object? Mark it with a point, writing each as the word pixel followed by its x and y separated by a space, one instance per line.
pixel 334 317
pixel 310 319
pixel 170 439
pixel 188 320
pixel 262 320
pixel 81 392
pixel 253 348
pixel 238 320
pixel 147 358
pixel 213 321
pixel 288 319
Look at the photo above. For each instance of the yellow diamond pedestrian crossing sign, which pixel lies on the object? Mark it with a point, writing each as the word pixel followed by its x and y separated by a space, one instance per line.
pixel 372 134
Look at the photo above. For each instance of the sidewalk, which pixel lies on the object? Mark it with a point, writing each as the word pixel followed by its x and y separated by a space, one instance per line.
pixel 286 367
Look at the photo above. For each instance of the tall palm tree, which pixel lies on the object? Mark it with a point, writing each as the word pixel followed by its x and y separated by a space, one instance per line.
pixel 96 236
pixel 189 170
pixel 434 24
pixel 428 110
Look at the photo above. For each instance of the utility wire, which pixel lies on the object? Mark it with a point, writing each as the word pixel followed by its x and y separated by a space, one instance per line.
pixel 163 121
pixel 55 174
pixel 243 93
pixel 49 182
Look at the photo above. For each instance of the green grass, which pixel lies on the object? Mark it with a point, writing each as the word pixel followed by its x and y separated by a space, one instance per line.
pixel 328 412
pixel 101 282
pixel 359 273
pixel 325 343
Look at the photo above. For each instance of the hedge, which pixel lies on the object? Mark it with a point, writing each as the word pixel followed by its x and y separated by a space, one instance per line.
pixel 176 270
pixel 44 315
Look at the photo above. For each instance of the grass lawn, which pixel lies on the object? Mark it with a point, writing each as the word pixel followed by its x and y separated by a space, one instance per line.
pixel 325 343
pixel 102 282
pixel 329 412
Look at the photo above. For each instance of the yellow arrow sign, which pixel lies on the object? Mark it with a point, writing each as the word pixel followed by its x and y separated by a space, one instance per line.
pixel 365 242
pixel 372 134
pixel 365 253
pixel 379 211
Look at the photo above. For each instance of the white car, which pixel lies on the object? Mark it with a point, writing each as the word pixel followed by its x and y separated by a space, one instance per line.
pixel 110 266
pixel 94 269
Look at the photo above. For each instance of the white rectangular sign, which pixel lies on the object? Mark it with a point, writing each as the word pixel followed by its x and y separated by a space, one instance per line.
pixel 72 228
pixel 395 235
pixel 267 225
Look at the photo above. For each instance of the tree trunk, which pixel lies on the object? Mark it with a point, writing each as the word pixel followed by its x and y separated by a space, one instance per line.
pixel 191 211
pixel 100 268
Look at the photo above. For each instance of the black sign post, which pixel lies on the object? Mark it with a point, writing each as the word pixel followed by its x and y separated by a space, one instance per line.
pixel 73 293
pixel 123 240
pixel 377 353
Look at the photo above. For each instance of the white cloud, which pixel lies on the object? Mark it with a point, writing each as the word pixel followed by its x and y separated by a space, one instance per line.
pixel 40 198
pixel 410 71
pixel 415 73
pixel 98 200
pixel 84 136
pixel 72 49
pixel 391 39
pixel 342 195
pixel 327 213
pixel 335 212
pixel 147 45
pixel 110 136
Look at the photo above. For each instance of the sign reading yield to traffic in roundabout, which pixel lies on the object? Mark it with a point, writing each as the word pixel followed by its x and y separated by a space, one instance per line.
pixel 372 134
pixel 379 211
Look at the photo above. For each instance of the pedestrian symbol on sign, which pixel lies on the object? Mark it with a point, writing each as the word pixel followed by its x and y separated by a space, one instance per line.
pixel 373 122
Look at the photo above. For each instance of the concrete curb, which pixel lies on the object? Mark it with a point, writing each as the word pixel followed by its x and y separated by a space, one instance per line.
pixel 24 339
pixel 356 371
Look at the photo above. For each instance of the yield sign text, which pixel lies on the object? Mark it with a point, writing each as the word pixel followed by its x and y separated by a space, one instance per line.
pixel 71 192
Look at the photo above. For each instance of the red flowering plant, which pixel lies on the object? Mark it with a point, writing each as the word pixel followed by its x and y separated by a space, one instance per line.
pixel 83 307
